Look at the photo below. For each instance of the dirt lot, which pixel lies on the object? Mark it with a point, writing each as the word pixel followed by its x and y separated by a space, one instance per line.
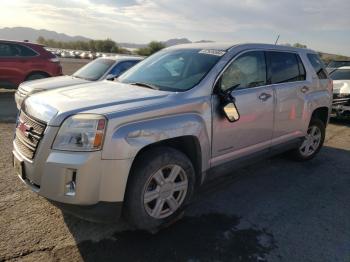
pixel 276 210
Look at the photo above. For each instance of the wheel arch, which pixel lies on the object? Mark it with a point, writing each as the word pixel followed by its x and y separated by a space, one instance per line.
pixel 321 113
pixel 37 72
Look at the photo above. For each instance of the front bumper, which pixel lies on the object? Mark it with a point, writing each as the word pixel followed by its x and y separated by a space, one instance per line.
pixel 97 180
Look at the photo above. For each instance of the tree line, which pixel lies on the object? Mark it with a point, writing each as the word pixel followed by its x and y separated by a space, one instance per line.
pixel 104 46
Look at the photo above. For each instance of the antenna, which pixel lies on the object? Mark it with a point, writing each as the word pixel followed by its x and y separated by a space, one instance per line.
pixel 278 37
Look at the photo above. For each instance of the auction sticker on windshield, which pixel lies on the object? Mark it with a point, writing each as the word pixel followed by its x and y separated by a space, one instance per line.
pixel 212 52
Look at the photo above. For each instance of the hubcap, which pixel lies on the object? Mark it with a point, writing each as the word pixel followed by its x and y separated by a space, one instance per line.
pixel 311 142
pixel 165 191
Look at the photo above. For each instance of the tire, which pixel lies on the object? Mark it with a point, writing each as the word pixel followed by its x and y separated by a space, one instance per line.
pixel 314 141
pixel 146 181
pixel 36 76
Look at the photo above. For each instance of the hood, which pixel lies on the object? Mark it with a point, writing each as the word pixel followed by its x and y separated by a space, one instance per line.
pixel 341 87
pixel 98 97
pixel 52 83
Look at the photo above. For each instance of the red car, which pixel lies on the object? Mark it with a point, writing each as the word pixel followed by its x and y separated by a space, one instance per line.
pixel 23 61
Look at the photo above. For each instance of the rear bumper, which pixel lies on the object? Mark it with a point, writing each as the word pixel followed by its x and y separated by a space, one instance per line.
pixel 102 212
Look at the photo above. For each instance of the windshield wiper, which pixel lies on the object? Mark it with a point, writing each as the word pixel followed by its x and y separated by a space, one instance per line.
pixel 145 85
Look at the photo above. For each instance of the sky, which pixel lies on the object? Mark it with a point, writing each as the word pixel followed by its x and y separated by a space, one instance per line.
pixel 323 25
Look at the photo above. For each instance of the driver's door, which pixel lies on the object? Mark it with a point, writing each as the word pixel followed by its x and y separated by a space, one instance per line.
pixel 254 100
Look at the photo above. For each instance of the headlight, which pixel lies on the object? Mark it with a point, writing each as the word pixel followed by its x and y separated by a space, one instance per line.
pixel 84 132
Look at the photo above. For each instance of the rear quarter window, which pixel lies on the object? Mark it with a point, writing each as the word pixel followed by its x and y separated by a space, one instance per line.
pixel 318 66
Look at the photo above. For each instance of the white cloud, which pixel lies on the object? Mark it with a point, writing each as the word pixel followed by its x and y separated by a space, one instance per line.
pixel 144 20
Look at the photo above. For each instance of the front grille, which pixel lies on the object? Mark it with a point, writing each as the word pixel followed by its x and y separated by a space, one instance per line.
pixel 29 132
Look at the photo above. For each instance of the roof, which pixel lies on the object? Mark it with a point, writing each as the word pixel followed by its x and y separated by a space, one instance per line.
pixel 227 46
pixel 19 42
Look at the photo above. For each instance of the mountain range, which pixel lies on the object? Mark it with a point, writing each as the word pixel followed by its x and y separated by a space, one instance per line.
pixel 31 34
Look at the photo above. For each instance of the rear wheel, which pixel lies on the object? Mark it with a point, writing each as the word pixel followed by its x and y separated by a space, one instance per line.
pixel 312 142
pixel 36 76
pixel 160 185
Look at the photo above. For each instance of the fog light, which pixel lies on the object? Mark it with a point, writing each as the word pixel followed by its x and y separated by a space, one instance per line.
pixel 70 182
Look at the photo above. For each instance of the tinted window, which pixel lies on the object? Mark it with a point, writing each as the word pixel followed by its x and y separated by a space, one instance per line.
pixel 318 65
pixel 122 67
pixel 20 50
pixel 340 74
pixel 95 69
pixel 248 70
pixel 336 64
pixel 284 67
pixel 173 70
pixel 5 50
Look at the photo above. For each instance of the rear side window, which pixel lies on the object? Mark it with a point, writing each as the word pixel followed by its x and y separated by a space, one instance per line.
pixel 318 65
pixel 21 50
pixel 285 67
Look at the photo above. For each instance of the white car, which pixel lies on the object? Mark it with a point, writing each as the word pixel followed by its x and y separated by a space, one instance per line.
pixel 97 70
pixel 341 91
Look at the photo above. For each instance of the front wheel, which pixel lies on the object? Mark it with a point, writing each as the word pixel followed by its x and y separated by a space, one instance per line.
pixel 312 142
pixel 161 184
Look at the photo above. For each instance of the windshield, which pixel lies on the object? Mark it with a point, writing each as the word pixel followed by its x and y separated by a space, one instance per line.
pixel 340 74
pixel 173 70
pixel 95 69
pixel 336 64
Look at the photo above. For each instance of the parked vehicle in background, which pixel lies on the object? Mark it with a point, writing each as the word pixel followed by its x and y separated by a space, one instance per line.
pixel 141 147
pixel 23 61
pixel 341 91
pixel 84 55
pixel 336 64
pixel 97 70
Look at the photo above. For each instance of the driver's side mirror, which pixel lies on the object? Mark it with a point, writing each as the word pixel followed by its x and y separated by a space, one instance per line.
pixel 228 103
pixel 231 112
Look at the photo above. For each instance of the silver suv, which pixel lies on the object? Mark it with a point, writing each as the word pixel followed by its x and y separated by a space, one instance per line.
pixel 141 146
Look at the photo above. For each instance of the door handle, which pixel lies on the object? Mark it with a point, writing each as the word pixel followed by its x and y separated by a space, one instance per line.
pixel 264 96
pixel 304 89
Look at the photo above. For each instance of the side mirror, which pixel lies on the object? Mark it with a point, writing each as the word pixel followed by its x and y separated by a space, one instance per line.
pixel 231 112
pixel 110 77
pixel 228 105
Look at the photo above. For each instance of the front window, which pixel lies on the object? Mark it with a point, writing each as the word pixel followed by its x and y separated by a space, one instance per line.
pixel 94 70
pixel 341 74
pixel 248 70
pixel 174 70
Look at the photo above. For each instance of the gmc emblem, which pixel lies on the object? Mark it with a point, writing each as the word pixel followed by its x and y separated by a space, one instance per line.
pixel 24 128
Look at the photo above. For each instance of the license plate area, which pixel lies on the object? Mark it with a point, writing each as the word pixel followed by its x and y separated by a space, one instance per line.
pixel 18 167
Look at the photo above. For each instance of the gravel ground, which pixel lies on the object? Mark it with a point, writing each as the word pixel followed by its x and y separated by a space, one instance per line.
pixel 275 210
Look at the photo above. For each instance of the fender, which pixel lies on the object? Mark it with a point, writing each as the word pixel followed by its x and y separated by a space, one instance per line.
pixel 129 139
pixel 314 100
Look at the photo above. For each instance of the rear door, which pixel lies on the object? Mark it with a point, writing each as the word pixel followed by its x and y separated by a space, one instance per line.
pixel 288 77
